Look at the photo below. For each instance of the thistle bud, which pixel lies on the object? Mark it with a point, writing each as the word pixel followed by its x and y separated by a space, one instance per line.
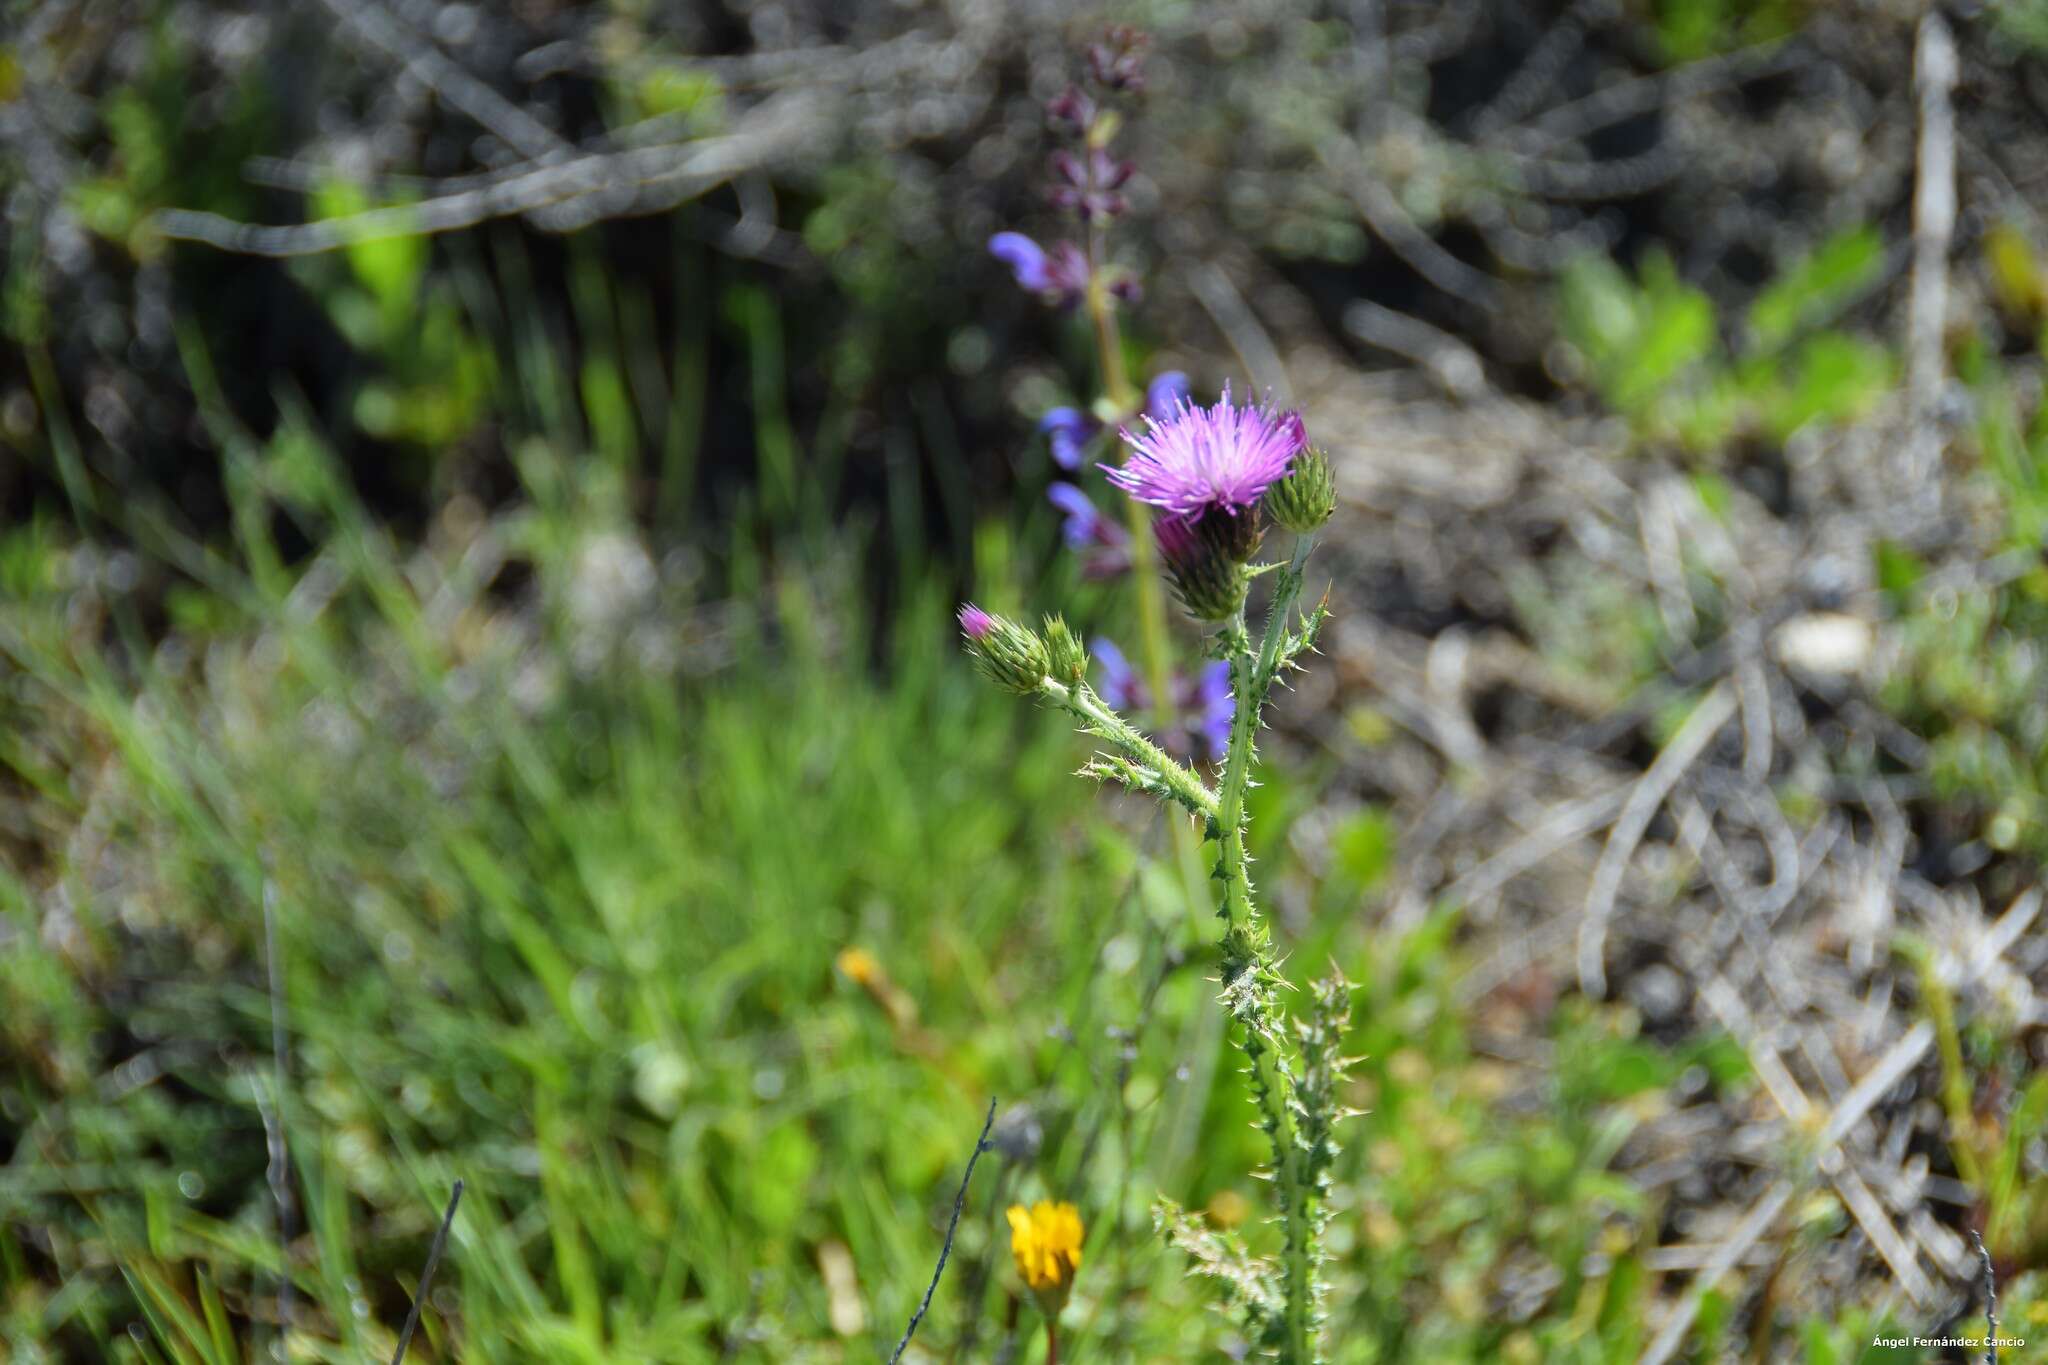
pixel 1304 500
pixel 1209 584
pixel 1010 656
pixel 1067 657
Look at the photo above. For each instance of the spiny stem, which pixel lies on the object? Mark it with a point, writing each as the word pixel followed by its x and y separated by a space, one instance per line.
pixel 1248 957
pixel 1081 700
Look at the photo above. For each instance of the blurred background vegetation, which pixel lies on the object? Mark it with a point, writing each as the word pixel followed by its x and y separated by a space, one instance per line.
pixel 481 703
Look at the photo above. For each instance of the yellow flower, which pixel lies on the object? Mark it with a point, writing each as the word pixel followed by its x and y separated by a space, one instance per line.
pixel 1046 1240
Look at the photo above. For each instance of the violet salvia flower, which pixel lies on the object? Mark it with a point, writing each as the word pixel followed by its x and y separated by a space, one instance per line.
pixel 1121 686
pixel 1211 707
pixel 1071 112
pixel 1067 429
pixel 1200 459
pixel 1167 389
pixel 1060 275
pixel 1104 546
pixel 1089 186
pixel 1203 700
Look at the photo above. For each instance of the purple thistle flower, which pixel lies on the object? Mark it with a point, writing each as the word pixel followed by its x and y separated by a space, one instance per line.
pixel 1198 459
pixel 1120 687
pixel 1068 429
pixel 1104 546
pixel 1168 387
pixel 1060 275
pixel 975 623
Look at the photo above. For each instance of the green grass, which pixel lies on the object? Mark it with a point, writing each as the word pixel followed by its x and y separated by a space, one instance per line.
pixel 558 885
pixel 559 835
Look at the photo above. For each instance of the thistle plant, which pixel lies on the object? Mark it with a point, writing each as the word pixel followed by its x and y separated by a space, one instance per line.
pixel 1202 484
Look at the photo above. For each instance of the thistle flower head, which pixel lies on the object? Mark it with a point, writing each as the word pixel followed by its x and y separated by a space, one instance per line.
pixel 1215 459
pixel 1010 656
pixel 1045 1241
pixel 976 624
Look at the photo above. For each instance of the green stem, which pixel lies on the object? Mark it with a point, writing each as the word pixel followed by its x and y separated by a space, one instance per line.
pixel 1187 788
pixel 1248 961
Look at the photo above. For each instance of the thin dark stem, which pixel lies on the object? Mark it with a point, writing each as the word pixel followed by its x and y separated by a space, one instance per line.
pixel 959 1203
pixel 279 1171
pixel 1990 1301
pixel 1052 1342
pixel 419 1297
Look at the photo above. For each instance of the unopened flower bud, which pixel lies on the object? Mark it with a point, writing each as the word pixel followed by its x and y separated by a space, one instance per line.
pixel 1071 112
pixel 1066 657
pixel 1306 498
pixel 1210 585
pixel 1010 656
pixel 1118 61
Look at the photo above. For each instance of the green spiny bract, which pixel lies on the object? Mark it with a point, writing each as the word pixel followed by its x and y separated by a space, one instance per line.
pixel 1307 497
pixel 1066 657
pixel 1209 583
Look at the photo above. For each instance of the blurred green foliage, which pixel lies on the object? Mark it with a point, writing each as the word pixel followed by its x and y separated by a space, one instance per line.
pixel 1651 346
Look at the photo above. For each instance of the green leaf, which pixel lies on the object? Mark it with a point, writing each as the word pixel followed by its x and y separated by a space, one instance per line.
pixel 1816 288
pixel 1364 847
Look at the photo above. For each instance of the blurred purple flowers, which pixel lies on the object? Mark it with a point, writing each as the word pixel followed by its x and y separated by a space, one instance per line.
pixel 1059 275
pixel 1104 546
pixel 1090 184
pixel 1202 702
pixel 1199 459
pixel 1067 430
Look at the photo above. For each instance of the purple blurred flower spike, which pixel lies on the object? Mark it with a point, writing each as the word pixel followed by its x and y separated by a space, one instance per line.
pixel 1118 61
pixel 1071 111
pixel 1212 707
pixel 1104 547
pixel 1168 390
pixel 1120 686
pixel 1083 521
pixel 1025 258
pixel 1066 430
pixel 1060 276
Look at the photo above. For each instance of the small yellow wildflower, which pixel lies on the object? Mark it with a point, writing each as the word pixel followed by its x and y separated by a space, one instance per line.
pixel 1046 1240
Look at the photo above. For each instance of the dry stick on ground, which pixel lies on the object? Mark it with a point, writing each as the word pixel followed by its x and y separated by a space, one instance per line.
pixel 676 172
pixel 1934 223
pixel 1903 1056
pixel 959 1203
pixel 452 83
pixel 419 1297
pixel 1241 328
pixel 1798 1109
pixel 1634 821
pixel 1900 1058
